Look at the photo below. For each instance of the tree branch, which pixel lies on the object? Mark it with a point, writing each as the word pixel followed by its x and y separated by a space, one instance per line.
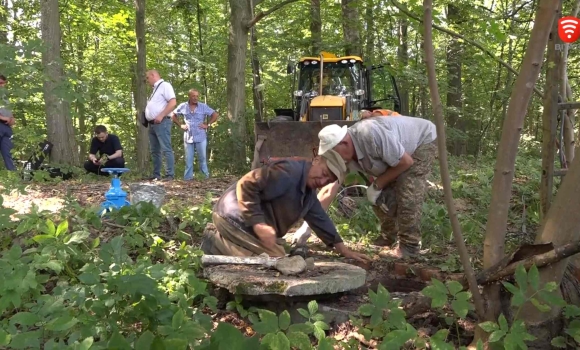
pixel 441 139
pixel 263 14
pixel 472 42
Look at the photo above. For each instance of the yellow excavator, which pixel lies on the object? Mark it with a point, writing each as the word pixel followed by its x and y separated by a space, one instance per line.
pixel 326 90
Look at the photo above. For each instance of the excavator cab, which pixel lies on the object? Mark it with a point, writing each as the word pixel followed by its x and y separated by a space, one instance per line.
pixel 326 90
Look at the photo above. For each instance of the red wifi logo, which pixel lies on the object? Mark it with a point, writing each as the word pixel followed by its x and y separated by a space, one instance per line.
pixel 568 29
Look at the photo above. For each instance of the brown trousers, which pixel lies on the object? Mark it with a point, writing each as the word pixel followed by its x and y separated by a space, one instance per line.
pixel 229 239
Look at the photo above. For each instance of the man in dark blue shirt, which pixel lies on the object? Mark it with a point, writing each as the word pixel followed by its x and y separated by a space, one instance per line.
pixel 110 152
pixel 254 213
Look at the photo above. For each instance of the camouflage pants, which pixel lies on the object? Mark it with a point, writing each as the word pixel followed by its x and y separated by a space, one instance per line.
pixel 400 204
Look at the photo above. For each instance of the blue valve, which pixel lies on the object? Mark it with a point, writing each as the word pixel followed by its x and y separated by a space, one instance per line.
pixel 115 197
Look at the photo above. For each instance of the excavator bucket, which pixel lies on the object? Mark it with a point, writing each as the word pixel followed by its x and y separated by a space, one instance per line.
pixel 288 139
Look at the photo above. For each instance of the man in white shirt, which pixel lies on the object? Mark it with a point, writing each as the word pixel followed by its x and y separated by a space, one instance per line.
pixel 158 114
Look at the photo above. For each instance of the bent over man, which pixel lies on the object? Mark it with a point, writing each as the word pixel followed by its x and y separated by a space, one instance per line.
pixel 108 145
pixel 399 153
pixel 253 214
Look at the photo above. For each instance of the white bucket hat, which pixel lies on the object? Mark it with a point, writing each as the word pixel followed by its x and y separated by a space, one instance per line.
pixel 330 136
pixel 335 164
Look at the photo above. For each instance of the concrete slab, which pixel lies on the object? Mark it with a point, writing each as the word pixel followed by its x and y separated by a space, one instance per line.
pixel 324 278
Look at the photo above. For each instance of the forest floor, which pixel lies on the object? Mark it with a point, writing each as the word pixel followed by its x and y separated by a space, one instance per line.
pixel 397 276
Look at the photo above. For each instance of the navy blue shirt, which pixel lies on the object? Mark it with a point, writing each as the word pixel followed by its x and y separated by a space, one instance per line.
pixel 276 194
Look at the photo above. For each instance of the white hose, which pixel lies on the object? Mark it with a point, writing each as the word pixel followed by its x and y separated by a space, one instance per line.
pixel 352 186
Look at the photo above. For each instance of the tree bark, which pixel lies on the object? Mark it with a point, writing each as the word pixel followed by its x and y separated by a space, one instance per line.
pixel 566 93
pixel 350 28
pixel 560 227
pixel 140 95
pixel 241 22
pixel 549 122
pixel 257 94
pixel 403 55
pixel 370 32
pixel 496 227
pixel 315 27
pixel 440 124
pixel 58 119
pixel 240 16
pixel 3 22
pixel 454 86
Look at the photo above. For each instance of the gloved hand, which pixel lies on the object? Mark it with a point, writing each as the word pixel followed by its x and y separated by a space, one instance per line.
pixel 373 193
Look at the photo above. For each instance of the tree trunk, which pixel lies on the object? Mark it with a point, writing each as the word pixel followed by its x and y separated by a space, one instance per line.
pixel 559 227
pixel 140 95
pixel 454 86
pixel 3 22
pixel 80 102
pixel 59 124
pixel 566 93
pixel 203 70
pixel 350 28
pixel 315 27
pixel 549 122
pixel 257 95
pixel 496 227
pixel 403 55
pixel 236 88
pixel 439 120
pixel 370 33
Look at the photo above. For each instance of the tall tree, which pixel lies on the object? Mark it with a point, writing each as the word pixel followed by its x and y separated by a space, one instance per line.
pixel 496 227
pixel 350 28
pixel 454 85
pixel 3 22
pixel 59 123
pixel 315 27
pixel 241 21
pixel 140 93
pixel 403 55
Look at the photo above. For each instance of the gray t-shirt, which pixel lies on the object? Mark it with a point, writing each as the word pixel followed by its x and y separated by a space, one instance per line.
pixel 381 141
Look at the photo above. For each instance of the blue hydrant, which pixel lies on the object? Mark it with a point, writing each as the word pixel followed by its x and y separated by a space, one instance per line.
pixel 115 197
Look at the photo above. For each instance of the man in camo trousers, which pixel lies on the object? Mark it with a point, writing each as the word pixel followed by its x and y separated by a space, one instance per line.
pixel 398 152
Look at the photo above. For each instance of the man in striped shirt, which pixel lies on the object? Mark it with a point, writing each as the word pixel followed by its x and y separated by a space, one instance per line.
pixel 194 127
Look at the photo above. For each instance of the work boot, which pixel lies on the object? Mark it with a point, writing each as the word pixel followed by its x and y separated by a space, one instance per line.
pixel 400 251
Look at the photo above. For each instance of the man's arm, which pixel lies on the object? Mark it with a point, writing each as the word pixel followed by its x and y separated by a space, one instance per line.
pixel 392 152
pixel 214 117
pixel 93 150
pixel 169 96
pixel 323 227
pixel 118 149
pixel 393 172
pixel 266 182
pixel 174 115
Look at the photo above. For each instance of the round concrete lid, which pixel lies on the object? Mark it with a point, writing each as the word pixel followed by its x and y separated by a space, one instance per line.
pixel 325 278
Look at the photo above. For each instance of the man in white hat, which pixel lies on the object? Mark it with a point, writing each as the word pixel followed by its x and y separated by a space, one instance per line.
pixel 254 213
pixel 399 153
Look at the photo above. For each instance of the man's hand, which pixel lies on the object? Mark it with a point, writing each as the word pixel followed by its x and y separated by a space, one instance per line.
pixel 11 121
pixel 203 126
pixel 159 119
pixel 267 235
pixel 96 162
pixel 184 127
pixel 349 254
pixel 373 194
